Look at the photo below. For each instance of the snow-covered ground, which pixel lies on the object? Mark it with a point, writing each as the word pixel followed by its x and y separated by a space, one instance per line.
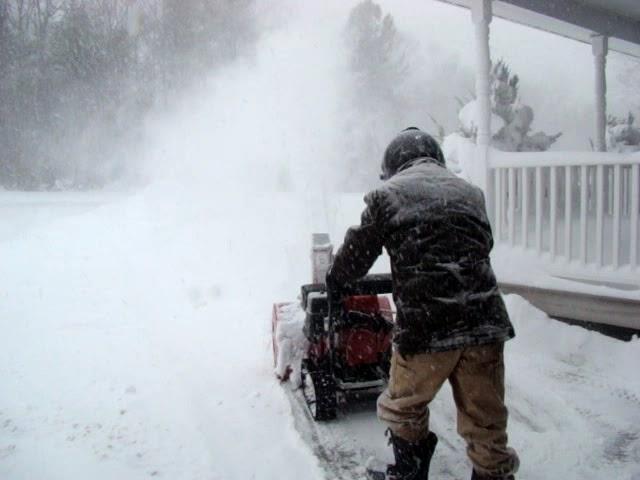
pixel 135 344
pixel 135 340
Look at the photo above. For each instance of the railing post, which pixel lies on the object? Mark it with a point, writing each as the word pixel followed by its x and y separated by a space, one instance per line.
pixel 511 216
pixel 568 197
pixel 584 206
pixel 539 225
pixel 481 15
pixel 525 207
pixel 617 184
pixel 553 212
pixel 635 200
pixel 600 215
pixel 498 215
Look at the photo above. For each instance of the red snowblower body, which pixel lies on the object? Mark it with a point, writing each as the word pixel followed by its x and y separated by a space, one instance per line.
pixel 348 339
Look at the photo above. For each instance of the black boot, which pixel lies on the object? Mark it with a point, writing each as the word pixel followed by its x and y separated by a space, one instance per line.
pixel 476 476
pixel 412 459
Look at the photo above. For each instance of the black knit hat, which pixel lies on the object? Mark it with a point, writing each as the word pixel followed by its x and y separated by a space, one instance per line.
pixel 410 144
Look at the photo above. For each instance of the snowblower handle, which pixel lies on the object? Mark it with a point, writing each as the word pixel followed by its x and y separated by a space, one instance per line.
pixel 373 284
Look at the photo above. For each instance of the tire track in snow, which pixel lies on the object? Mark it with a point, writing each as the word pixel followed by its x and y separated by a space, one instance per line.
pixel 327 440
pixel 338 462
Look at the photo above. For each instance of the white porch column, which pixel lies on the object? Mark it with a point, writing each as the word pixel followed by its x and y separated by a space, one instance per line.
pixel 481 14
pixel 600 44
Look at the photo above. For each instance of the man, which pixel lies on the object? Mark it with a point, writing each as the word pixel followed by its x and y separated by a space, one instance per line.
pixel 451 321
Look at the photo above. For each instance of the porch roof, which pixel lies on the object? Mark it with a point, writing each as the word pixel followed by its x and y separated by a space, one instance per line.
pixel 576 19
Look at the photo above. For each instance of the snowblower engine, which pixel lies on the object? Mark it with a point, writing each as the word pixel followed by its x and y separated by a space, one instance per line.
pixel 347 339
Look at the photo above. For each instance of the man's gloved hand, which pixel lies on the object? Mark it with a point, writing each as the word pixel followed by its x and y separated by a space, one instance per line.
pixel 335 291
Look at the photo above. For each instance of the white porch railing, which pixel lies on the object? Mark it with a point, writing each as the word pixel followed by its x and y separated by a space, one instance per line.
pixel 578 209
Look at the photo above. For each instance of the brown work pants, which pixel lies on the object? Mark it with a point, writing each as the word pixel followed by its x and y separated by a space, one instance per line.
pixel 476 375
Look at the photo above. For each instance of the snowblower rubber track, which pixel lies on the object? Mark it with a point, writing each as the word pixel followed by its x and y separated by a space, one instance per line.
pixel 319 391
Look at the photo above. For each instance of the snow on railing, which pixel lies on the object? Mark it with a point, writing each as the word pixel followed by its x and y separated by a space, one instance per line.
pixel 577 207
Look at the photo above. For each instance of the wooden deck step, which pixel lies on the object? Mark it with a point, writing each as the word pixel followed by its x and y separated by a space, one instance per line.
pixel 581 307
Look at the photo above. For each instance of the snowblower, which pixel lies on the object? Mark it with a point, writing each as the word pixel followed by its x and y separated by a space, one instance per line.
pixel 337 346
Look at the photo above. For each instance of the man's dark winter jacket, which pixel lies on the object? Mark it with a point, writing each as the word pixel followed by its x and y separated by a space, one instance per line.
pixel 435 228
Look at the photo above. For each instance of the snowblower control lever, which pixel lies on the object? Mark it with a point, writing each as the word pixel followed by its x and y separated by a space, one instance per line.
pixel 373 284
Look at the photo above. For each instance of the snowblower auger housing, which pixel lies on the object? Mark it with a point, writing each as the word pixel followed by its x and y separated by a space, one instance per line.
pixel 349 342
pixel 344 343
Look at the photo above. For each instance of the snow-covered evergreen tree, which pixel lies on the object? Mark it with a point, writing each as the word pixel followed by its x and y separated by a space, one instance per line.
pixel 622 134
pixel 377 64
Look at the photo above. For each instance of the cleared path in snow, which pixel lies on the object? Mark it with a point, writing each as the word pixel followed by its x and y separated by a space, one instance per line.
pixel 573 397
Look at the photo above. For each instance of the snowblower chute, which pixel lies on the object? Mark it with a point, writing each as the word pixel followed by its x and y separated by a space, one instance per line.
pixel 345 346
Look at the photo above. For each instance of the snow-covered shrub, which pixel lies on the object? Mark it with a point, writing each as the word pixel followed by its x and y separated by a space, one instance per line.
pixel 623 135
pixel 511 119
pixel 376 53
